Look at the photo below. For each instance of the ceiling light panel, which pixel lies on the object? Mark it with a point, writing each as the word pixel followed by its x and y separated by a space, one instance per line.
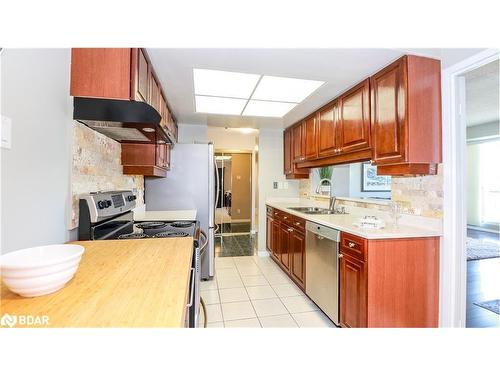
pixel 223 106
pixel 222 83
pixel 282 89
pixel 267 109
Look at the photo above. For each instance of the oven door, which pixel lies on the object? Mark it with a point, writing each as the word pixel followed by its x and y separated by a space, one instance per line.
pixel 114 227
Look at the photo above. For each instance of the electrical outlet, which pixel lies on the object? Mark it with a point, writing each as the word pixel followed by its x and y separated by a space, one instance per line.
pixel 275 185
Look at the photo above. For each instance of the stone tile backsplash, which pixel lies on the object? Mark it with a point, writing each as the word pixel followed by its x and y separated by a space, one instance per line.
pixel 421 196
pixel 96 165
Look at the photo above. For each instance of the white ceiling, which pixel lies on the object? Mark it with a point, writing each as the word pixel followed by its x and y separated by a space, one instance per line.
pixel 339 68
pixel 482 94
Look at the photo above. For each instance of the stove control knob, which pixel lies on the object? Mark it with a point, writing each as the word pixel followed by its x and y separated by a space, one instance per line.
pixel 108 203
pixel 131 198
pixel 101 204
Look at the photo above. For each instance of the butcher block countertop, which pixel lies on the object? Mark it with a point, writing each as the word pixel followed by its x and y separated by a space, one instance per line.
pixel 119 283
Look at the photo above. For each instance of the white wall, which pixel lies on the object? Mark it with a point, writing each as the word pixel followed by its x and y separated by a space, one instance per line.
pixel 231 139
pixel 270 170
pixel 192 133
pixel 35 172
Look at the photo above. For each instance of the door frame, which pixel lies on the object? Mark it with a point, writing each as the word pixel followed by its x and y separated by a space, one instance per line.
pixel 453 296
pixel 253 181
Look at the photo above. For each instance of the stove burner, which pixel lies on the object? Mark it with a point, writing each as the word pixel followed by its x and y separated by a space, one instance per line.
pixel 171 234
pixel 151 225
pixel 181 224
pixel 132 236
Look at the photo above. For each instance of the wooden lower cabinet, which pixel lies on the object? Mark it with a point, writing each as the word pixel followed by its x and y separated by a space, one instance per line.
pixel 286 241
pixel 389 282
pixel 285 246
pixel 353 292
pixel 297 246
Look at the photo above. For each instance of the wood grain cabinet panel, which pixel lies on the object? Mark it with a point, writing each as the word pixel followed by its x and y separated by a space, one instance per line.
pixel 389 282
pixel 406 117
pixel 297 242
pixel 389 123
pixel 101 73
pixel 142 77
pixel 354 110
pixel 353 295
pixel 287 152
pixel 289 166
pixel 328 130
pixel 310 138
pixel 298 153
pixel 285 246
pixel 276 249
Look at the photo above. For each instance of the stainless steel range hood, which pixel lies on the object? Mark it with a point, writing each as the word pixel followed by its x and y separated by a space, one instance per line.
pixel 122 120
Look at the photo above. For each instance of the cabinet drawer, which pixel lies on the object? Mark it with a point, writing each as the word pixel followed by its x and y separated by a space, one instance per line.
pixel 354 246
pixel 298 223
pixel 283 216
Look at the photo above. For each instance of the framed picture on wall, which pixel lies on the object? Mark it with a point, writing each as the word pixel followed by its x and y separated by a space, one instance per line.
pixel 371 182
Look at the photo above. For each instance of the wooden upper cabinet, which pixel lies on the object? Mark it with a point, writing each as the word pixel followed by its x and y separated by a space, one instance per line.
pixel 154 92
pixel 101 73
pixel 287 151
pixel 354 116
pixel 389 126
pixel 141 69
pixel 310 138
pixel 406 116
pixel 298 150
pixel 327 130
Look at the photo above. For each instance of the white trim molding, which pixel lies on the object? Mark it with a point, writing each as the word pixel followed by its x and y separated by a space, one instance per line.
pixel 453 278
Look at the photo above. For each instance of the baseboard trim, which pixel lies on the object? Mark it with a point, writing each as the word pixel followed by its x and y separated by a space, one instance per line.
pixel 263 253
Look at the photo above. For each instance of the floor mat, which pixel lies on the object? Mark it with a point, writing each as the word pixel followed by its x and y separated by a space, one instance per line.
pixel 482 249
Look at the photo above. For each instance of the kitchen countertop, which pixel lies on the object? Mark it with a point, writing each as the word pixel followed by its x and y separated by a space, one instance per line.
pixel 119 283
pixel 179 215
pixel 344 223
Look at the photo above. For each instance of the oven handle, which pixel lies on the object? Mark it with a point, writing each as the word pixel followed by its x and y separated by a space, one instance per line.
pixel 205 237
pixel 110 233
pixel 191 293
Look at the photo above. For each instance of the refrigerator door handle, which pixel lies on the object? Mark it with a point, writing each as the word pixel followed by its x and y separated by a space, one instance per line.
pixel 217 187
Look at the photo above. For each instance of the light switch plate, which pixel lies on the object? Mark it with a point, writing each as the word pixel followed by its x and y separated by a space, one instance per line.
pixel 6 132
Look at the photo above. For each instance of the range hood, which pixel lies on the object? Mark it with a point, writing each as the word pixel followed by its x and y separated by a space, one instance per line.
pixel 122 120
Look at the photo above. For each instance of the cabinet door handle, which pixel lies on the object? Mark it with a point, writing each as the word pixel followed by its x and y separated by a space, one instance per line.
pixel 351 245
pixel 290 229
pixel 341 256
pixel 297 223
pixel 285 217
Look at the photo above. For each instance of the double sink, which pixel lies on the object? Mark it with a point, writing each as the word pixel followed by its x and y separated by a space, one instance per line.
pixel 318 211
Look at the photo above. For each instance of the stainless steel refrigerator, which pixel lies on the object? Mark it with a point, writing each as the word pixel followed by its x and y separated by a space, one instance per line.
pixel 190 184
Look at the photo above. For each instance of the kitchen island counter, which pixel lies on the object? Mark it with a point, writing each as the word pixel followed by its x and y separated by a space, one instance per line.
pixel 119 283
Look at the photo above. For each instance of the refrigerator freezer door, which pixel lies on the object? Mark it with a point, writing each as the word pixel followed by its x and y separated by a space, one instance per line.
pixel 187 187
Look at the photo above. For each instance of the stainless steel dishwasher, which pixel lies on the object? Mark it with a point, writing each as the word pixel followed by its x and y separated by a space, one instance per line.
pixel 322 268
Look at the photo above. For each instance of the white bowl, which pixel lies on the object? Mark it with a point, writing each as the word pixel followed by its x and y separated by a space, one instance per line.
pixel 40 270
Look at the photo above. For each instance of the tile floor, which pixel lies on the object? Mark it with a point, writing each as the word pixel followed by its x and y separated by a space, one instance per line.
pixel 252 291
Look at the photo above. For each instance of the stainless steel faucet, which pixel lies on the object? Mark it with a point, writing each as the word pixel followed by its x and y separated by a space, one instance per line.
pixel 333 199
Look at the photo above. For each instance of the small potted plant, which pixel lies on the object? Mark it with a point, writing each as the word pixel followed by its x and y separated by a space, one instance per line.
pixel 325 183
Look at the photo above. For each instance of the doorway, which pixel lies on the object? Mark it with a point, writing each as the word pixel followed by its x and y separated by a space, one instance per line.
pixel 455 281
pixel 481 89
pixel 233 215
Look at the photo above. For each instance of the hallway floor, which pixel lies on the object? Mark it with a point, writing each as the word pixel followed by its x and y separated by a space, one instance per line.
pixel 236 245
pixel 483 284
pixel 252 291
